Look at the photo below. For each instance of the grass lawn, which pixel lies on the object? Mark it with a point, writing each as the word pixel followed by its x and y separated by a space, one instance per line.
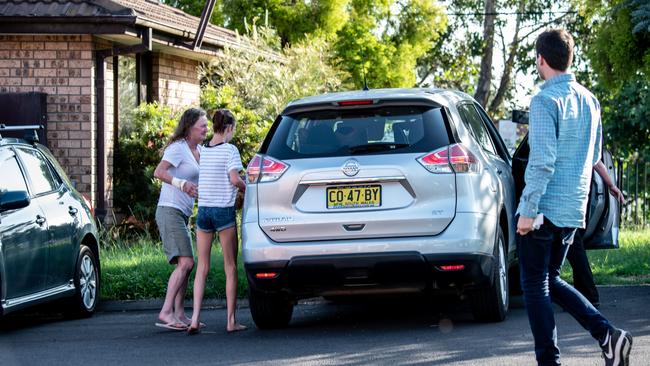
pixel 137 269
pixel 627 265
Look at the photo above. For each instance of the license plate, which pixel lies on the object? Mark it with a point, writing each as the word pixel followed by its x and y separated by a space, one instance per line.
pixel 353 196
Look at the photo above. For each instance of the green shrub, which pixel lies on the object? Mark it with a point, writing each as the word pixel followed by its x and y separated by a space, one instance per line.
pixel 136 191
pixel 256 85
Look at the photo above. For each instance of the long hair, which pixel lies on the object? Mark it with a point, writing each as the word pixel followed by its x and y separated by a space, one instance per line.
pixel 221 119
pixel 188 119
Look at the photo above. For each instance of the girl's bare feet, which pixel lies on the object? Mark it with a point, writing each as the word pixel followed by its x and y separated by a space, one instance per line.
pixel 185 320
pixel 236 328
pixel 193 330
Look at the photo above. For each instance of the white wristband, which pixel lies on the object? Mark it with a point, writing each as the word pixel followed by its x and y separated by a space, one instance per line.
pixel 178 183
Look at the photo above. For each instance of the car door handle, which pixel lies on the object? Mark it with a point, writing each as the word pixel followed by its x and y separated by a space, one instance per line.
pixel 72 211
pixel 40 220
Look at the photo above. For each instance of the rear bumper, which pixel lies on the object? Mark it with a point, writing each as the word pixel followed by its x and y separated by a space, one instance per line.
pixel 371 273
pixel 469 232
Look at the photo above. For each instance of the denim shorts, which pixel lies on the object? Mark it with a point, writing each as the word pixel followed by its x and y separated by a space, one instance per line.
pixel 211 219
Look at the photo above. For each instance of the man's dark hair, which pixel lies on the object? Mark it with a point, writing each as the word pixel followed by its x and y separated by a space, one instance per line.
pixel 556 46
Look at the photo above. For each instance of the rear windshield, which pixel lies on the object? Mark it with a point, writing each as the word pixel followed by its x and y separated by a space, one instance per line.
pixel 385 130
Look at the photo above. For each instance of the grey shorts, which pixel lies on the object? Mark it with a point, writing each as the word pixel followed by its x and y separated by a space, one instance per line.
pixel 174 232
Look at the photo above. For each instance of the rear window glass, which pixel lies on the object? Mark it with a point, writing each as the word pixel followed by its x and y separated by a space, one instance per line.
pixel 386 130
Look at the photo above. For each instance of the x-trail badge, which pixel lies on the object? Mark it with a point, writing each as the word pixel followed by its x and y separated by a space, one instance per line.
pixel 350 168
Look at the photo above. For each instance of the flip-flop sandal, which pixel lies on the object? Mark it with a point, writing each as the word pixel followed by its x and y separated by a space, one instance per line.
pixel 179 326
pixel 193 331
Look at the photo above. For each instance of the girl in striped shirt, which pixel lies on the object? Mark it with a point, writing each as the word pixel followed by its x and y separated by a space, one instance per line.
pixel 219 182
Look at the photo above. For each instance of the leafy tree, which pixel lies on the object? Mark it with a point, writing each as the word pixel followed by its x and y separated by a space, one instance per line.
pixel 390 36
pixel 464 57
pixel 255 87
pixel 619 51
pixel 292 20
pixel 621 46
pixel 626 115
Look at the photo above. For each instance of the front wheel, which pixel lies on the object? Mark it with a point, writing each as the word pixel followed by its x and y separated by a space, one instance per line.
pixel 491 304
pixel 86 281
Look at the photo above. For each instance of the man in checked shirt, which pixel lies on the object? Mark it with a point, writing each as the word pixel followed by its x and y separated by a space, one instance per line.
pixel 565 140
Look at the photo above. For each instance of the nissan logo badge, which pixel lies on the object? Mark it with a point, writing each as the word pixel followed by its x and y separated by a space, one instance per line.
pixel 350 168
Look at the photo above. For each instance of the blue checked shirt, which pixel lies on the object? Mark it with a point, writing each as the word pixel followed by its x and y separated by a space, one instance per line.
pixel 564 135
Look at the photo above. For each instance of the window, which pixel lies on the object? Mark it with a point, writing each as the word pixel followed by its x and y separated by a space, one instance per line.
pixel 39 172
pixel 473 122
pixel 383 130
pixel 499 145
pixel 12 176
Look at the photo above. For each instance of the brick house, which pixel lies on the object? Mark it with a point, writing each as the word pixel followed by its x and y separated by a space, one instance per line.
pixel 69 50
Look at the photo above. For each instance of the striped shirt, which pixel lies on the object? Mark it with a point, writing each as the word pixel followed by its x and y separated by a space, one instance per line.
pixel 215 189
pixel 565 140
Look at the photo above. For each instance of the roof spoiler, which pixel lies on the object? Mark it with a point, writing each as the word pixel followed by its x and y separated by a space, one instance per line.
pixel 31 134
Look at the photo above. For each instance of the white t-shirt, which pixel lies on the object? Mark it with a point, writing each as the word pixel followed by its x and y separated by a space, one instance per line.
pixel 215 189
pixel 184 166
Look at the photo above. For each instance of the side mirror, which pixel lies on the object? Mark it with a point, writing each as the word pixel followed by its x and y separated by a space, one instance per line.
pixel 520 117
pixel 12 200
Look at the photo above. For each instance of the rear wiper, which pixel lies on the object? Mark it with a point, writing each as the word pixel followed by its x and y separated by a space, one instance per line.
pixel 384 146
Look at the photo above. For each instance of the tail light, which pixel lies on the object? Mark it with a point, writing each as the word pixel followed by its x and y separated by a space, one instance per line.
pixel 453 158
pixel 452 267
pixel 348 103
pixel 89 204
pixel 264 169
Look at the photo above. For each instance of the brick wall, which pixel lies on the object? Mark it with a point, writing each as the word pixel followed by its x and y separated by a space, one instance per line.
pixel 60 66
pixel 175 81
pixel 63 66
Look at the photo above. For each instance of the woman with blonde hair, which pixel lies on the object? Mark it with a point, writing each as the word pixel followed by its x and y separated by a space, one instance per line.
pixel 179 171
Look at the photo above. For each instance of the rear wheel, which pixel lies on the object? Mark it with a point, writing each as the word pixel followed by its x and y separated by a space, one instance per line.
pixel 491 304
pixel 269 310
pixel 86 281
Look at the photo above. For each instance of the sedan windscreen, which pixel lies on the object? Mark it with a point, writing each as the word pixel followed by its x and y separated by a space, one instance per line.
pixel 384 130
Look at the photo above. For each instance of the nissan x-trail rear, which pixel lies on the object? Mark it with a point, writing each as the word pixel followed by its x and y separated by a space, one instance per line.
pixel 378 192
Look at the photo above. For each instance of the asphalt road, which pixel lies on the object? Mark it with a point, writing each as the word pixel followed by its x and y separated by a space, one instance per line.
pixel 378 332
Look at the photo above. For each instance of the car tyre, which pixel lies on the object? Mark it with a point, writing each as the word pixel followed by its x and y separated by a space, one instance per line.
pixel 269 310
pixel 86 281
pixel 491 304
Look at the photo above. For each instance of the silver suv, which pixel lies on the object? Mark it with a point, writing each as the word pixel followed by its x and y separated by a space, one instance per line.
pixel 380 191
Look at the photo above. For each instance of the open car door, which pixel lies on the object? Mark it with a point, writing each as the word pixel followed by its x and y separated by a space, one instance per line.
pixel 603 210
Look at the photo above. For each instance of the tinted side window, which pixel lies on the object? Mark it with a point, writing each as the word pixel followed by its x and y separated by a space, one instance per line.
pixel 12 176
pixel 39 172
pixel 473 122
pixel 498 143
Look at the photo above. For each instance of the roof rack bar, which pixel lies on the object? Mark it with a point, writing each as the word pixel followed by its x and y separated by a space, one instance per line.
pixel 31 137
pixel 4 127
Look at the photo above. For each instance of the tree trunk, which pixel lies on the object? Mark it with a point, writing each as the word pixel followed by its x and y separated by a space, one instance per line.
pixel 485 75
pixel 506 79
